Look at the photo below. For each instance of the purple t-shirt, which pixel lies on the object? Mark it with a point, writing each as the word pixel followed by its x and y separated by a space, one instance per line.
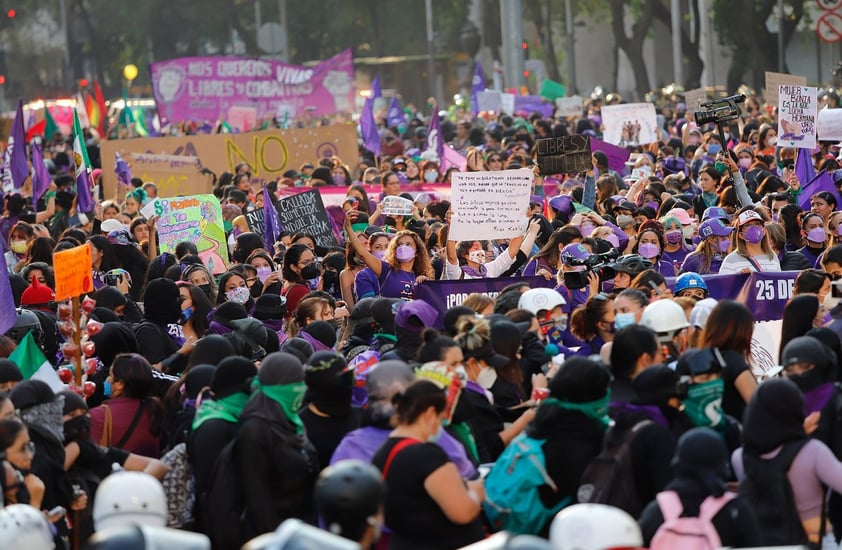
pixel 675 258
pixel 366 284
pixel 361 444
pixel 391 283
pixel 693 262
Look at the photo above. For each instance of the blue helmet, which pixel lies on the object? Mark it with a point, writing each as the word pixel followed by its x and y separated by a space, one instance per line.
pixel 690 280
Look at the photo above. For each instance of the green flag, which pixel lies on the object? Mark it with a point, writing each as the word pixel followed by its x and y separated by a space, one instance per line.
pixel 552 90
pixel 33 365
pixel 51 127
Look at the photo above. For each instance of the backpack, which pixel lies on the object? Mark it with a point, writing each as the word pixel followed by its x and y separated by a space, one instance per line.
pixel 179 487
pixel 512 502
pixel 688 533
pixel 361 364
pixel 225 503
pixel 768 491
pixel 609 478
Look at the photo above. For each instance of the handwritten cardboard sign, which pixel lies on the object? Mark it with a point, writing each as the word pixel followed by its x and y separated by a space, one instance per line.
pixel 196 219
pixel 490 205
pixel 305 212
pixel 830 125
pixel 174 164
pixel 564 154
pixel 797 116
pixel 775 80
pixel 73 270
pixel 694 99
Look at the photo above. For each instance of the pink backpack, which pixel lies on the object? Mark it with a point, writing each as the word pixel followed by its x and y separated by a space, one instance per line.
pixel 688 533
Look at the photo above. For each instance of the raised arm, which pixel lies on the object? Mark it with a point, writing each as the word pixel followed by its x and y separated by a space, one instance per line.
pixel 372 261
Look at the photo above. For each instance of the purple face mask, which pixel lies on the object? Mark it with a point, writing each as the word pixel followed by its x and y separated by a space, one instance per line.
pixel 613 239
pixel 816 235
pixel 648 250
pixel 754 234
pixel 723 246
pixel 674 236
pixel 653 205
pixel 404 253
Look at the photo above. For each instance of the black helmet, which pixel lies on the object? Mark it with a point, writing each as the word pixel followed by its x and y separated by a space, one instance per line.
pixel 633 264
pixel 347 494
pixel 26 321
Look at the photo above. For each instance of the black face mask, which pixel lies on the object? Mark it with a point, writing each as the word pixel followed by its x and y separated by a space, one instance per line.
pixel 310 272
pixel 207 289
pixel 330 281
pixel 809 380
pixel 77 428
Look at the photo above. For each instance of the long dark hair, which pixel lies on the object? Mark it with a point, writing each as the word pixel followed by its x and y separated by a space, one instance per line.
pixel 135 372
pixel 201 307
pixel 797 318
pixel 291 258
pixel 109 260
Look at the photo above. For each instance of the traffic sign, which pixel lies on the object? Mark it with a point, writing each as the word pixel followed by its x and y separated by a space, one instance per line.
pixel 829 5
pixel 829 27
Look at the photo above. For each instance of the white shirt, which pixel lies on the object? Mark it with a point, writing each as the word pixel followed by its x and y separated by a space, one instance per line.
pixel 736 262
pixel 493 269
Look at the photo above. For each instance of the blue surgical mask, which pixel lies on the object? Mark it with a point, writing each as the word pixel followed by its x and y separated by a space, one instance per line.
pixel 622 320
pixel 714 148
pixel 106 388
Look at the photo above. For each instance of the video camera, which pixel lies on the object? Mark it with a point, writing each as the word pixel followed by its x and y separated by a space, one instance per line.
pixel 598 263
pixel 719 111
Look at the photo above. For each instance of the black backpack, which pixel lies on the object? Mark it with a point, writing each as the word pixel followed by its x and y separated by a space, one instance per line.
pixel 224 502
pixel 768 491
pixel 609 478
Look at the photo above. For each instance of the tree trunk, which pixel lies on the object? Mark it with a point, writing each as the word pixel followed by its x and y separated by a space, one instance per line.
pixel 689 48
pixel 96 50
pixel 552 60
pixel 633 46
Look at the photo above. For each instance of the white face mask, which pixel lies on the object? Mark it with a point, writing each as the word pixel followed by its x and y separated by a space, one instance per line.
pixel 477 256
pixel 687 231
pixel 486 377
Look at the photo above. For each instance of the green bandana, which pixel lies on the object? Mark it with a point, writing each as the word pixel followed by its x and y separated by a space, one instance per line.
pixel 703 404
pixel 466 438
pixel 226 408
pixel 288 396
pixel 598 410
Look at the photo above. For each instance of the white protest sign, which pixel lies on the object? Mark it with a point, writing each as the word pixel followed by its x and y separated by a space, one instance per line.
pixel 830 125
pixel 149 209
pixel 797 116
pixel 397 206
pixel 630 124
pixel 489 205
pixel 569 106
pixel 489 100
pixel 765 341
pixel 507 103
pixel 694 99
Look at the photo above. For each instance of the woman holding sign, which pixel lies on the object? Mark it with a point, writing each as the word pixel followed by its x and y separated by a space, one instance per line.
pixel 405 264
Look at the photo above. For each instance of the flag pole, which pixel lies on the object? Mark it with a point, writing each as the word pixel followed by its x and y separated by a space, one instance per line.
pixel 77 340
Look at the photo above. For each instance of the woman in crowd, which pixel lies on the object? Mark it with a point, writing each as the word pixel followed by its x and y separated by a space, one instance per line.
pixel 752 251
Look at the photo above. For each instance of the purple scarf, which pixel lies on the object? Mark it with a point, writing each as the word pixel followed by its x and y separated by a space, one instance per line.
pixel 471 272
pixel 318 345
pixel 276 325
pixel 652 411
pixel 218 328
pixel 817 398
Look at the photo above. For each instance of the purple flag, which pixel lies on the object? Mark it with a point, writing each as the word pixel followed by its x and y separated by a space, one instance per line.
pixel 41 177
pixel 822 182
pixel 17 143
pixel 804 170
pixel 376 91
pixel 124 173
pixel 271 222
pixel 8 315
pixel 477 85
pixel 395 116
pixel 435 143
pixel 368 128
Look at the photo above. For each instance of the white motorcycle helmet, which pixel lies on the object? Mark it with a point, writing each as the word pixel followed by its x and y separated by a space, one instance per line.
pixel 594 527
pixel 24 527
pixel 540 299
pixel 665 317
pixel 130 498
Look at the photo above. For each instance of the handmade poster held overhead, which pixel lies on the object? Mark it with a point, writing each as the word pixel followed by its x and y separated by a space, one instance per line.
pixel 305 212
pixel 490 205
pixel 630 124
pixel 564 155
pixel 829 125
pixel 797 116
pixel 73 272
pixel 196 219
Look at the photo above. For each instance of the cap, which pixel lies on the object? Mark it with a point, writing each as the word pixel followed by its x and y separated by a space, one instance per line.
pixel 714 212
pixel 108 226
pixel 700 361
pixel 714 226
pixel 270 306
pixel 747 217
pixel 574 251
pixel 701 311
pixel 681 214
pixel 120 237
pixel 625 205
pixel 805 349
pixel 487 353
pixel 237 196
pixel 415 316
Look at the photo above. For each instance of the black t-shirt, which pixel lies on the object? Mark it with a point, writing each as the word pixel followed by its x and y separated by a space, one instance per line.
pixel 416 520
pixel 732 402
pixel 325 432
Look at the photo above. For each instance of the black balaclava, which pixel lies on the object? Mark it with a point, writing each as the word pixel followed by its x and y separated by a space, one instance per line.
pixel 161 301
pixel 329 384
